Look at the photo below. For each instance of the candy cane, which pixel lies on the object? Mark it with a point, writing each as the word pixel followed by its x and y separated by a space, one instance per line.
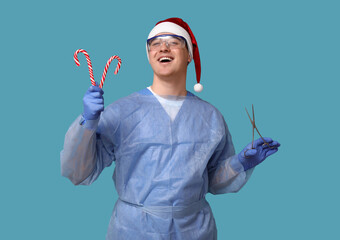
pixel 75 57
pixel 107 67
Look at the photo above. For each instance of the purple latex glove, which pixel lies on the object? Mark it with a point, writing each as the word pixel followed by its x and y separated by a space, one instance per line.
pixel 249 158
pixel 93 102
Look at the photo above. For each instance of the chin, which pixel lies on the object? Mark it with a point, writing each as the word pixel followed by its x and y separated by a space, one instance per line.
pixel 166 73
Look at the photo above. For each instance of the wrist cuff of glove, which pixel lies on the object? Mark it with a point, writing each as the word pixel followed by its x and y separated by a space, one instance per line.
pixel 89 124
pixel 245 162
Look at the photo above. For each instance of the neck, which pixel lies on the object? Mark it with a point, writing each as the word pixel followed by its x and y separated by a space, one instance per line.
pixel 175 86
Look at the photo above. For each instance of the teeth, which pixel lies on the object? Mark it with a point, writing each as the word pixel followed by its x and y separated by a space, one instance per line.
pixel 165 59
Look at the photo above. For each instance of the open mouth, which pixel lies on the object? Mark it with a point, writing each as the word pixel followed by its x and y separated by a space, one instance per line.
pixel 165 59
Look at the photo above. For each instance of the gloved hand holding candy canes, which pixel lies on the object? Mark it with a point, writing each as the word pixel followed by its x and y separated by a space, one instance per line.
pixel 93 100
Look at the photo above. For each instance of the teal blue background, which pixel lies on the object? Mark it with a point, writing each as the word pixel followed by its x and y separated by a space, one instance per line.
pixel 281 56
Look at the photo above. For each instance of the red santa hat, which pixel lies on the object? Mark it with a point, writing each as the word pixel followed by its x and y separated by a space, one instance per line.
pixel 179 27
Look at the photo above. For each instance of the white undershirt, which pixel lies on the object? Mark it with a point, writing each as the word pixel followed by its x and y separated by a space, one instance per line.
pixel 171 104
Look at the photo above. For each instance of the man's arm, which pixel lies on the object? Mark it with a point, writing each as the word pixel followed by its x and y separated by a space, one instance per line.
pixel 228 172
pixel 84 155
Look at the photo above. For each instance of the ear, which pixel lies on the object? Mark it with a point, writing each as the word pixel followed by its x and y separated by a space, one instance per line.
pixel 189 58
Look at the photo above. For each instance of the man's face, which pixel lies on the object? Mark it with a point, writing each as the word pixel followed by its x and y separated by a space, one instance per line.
pixel 168 61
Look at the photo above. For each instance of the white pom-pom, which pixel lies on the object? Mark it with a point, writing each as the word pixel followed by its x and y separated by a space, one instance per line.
pixel 198 87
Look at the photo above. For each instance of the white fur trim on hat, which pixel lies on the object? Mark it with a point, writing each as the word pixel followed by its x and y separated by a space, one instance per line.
pixel 169 27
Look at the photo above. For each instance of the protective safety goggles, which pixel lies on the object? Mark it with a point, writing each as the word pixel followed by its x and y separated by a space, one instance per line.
pixel 171 41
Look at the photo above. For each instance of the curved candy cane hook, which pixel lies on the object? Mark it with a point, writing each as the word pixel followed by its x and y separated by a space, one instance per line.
pixel 107 67
pixel 75 57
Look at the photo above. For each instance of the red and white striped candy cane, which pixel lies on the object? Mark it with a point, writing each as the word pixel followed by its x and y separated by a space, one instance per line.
pixel 89 64
pixel 107 67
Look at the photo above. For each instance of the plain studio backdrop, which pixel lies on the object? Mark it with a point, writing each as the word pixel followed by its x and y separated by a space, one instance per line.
pixel 281 56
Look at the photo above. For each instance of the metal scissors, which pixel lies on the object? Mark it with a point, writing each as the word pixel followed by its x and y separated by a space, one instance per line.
pixel 254 127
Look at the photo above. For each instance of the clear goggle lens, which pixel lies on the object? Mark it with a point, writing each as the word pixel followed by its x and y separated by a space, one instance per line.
pixel 171 41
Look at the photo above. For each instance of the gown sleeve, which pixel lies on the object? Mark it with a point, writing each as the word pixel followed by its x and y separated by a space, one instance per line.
pixel 226 173
pixel 86 151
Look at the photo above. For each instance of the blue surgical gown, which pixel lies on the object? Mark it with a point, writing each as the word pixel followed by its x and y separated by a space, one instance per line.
pixel 163 167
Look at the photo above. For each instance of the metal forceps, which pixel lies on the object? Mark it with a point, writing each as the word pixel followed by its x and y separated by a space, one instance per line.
pixel 254 127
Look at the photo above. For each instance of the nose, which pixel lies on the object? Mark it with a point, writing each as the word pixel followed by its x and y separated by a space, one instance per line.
pixel 164 46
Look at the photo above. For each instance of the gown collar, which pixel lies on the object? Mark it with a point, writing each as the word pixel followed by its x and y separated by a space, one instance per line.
pixel 146 91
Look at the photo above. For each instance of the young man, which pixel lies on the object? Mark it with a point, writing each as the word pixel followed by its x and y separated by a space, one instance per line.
pixel 170 147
